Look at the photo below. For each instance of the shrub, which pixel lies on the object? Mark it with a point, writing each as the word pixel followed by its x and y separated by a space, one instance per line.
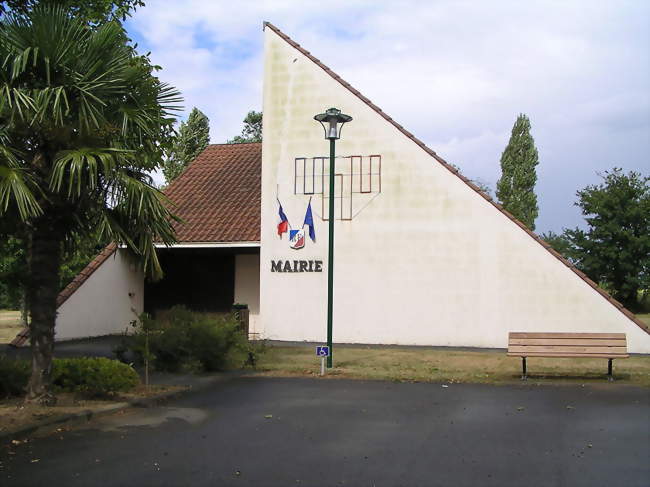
pixel 254 350
pixel 181 339
pixel 164 341
pixel 213 343
pixel 90 376
pixel 93 376
pixel 14 375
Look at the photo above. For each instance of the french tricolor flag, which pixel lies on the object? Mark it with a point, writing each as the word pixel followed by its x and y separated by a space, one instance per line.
pixel 309 221
pixel 283 226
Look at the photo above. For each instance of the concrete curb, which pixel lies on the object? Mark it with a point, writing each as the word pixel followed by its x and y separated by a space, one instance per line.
pixel 88 414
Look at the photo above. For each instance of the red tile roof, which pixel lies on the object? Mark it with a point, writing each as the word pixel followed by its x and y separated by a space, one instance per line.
pixel 455 171
pixel 218 196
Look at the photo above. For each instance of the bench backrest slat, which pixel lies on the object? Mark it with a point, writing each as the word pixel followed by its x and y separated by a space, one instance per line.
pixel 565 349
pixel 612 345
pixel 528 334
pixel 608 342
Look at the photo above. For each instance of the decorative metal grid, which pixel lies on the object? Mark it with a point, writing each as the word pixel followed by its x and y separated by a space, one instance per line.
pixel 357 182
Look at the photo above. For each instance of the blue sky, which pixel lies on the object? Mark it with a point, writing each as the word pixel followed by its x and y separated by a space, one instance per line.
pixel 455 73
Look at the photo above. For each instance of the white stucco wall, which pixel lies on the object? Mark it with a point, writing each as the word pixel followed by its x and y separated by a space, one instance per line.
pixel 427 262
pixel 102 304
pixel 247 287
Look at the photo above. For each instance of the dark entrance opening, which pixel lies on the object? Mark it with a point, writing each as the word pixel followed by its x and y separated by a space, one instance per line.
pixel 200 279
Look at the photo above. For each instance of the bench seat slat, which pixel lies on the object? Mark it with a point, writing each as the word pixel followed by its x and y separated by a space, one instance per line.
pixel 567 355
pixel 595 336
pixel 568 341
pixel 567 349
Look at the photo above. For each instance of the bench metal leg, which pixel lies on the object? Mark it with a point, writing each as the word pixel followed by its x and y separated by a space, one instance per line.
pixel 610 377
pixel 523 368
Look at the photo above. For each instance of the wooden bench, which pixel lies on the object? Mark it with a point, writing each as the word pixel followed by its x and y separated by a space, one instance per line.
pixel 580 345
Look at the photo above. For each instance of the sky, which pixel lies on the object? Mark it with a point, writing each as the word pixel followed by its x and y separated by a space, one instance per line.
pixel 455 73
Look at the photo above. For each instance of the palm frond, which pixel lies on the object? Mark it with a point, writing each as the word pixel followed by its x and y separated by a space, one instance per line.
pixel 80 169
pixel 169 98
pixel 140 219
pixel 19 100
pixel 15 187
pixel 66 86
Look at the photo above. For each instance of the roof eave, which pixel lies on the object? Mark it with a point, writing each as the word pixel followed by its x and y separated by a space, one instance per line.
pixel 209 245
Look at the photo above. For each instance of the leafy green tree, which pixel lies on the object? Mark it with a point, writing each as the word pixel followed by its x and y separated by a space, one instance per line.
pixel 82 123
pixel 516 188
pixel 615 249
pixel 13 265
pixel 193 136
pixel 252 131
pixel 93 11
pixel 561 243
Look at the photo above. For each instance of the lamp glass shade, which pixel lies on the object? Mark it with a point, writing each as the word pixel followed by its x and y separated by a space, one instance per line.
pixel 332 122
pixel 332 132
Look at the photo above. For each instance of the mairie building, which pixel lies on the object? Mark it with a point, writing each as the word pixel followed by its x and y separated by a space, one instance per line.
pixel 422 256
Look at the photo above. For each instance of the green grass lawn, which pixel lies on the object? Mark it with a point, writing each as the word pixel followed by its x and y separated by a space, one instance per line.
pixel 645 318
pixel 9 325
pixel 426 365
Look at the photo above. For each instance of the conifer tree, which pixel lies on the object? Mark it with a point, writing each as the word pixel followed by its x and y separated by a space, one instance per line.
pixel 193 136
pixel 516 188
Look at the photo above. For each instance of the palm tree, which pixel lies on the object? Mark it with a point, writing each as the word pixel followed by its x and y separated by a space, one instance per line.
pixel 82 123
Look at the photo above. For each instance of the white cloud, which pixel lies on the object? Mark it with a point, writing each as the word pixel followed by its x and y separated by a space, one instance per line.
pixel 455 73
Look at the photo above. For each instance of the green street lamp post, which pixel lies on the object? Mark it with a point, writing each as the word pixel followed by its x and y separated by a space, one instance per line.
pixel 332 121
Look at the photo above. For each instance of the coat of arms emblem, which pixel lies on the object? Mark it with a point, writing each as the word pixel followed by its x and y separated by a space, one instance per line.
pixel 296 239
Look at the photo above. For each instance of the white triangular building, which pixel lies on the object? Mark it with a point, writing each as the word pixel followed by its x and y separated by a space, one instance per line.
pixel 428 260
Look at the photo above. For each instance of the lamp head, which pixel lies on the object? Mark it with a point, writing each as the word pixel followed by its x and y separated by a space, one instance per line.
pixel 332 122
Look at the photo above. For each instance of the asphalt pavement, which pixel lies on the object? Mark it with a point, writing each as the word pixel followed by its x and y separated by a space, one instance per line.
pixel 258 431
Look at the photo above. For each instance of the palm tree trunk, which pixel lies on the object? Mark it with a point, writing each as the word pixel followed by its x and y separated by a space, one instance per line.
pixel 24 308
pixel 24 299
pixel 45 259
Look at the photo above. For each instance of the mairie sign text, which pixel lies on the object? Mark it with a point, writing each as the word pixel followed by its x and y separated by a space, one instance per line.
pixel 296 266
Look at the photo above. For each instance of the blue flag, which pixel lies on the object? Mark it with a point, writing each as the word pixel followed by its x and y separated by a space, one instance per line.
pixel 309 220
